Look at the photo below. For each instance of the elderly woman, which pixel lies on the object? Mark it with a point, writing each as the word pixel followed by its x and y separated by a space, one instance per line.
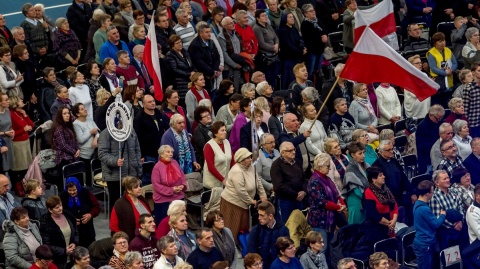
pixel 239 193
pixel 80 93
pixel 462 185
pixel 218 157
pixel 129 207
pixel 324 199
pixel 356 182
pixel 292 7
pixel 10 77
pixel 362 111
pixel 412 106
pixel 286 254
pixel 293 47
pixel 442 65
pixel 252 261
pixel 339 161
pixel 7 134
pixel 81 258
pixel 265 159
pixel 196 93
pixel 471 50
pixel 184 238
pixel 314 143
pixel 178 139
pixel 248 90
pixel 104 99
pixel 361 136
pixel 120 249
pixel 62 100
pixel 66 44
pixel 341 124
pixel 457 110
pixel 267 59
pixel 59 231
pixel 378 260
pixel 22 238
pixel 84 206
pixel 380 208
pixel 264 90
pixel 168 181
pixel 180 65
pixel 259 128
pixel 177 206
pixel 222 237
pixel 139 33
pixel 462 138
pixel 46 95
pixel 388 104
pixel 133 260
pixel 466 77
pixel 275 122
pixel 314 257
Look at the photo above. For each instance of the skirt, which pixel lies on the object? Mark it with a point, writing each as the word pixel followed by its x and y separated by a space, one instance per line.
pixel 22 155
pixel 235 218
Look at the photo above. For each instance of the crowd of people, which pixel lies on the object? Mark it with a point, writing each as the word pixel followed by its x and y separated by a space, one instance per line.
pixel 291 154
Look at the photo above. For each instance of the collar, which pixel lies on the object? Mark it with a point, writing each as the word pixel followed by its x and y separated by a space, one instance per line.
pixel 287 162
pixel 273 225
pixel 268 156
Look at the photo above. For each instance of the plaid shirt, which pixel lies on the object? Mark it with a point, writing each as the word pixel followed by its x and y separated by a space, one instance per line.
pixel 449 166
pixel 441 200
pixel 471 102
pixel 466 195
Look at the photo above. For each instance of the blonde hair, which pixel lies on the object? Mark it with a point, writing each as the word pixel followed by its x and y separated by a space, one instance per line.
pixel 297 67
pixel 30 185
pixel 14 102
pixel 327 144
pixel 175 217
pixel 194 78
pixel 357 88
pixel 322 159
pixel 452 104
pixel 101 93
pixel 262 103
pixel 411 59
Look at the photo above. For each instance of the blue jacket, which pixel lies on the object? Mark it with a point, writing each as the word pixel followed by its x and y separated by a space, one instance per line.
pixel 110 50
pixel 262 241
pixel 425 223
pixel 426 135
pixel 472 163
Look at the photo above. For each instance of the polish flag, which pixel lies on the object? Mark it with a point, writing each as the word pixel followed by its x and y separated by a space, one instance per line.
pixel 379 18
pixel 151 61
pixel 372 60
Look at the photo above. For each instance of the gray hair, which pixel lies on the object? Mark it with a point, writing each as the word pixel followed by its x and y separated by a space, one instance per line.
pixel 470 32
pixel 110 28
pixel 175 117
pixel 310 93
pixel 41 6
pixel 205 103
pixel 240 13
pixel 458 125
pixel 383 143
pixel 357 134
pixel 306 7
pixel 436 173
pixel 163 148
pixel 97 14
pixel 284 145
pixel 25 8
pixel 15 29
pixel 386 134
pixel 180 12
pixel 338 69
pixel 247 87
pixel 162 244
pixel 79 252
pixel 263 138
pixel 322 159
pixel 443 127
pixel 436 110
pixel 201 26
pixel 341 264
pixel 175 207
pixel 454 103
pixel 337 101
pixel 224 20
pixel 261 87
pixel 327 143
pixel 131 257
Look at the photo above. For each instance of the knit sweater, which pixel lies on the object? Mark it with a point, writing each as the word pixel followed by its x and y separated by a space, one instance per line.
pixel 287 179
pixel 99 38
pixel 84 138
pixel 242 186
pixel 388 104
pixel 163 185
pixel 363 118
pixel 81 94
pixel 36 34
pixel 314 143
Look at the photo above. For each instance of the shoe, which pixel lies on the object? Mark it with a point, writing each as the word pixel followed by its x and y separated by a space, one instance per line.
pixel 19 191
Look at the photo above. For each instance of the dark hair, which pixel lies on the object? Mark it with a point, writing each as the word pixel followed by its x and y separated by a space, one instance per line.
pixel 199 110
pixel 457 174
pixel 474 66
pixel 438 36
pixel 239 6
pixel 17 213
pixel 283 242
pixel 141 219
pixel 216 127
pixel 172 39
pixel 168 94
pixel 58 122
pixel 70 185
pixel 268 207
pixel 477 188
pixel 137 13
pixel 276 105
pixel 47 71
pixel 88 68
pixel 53 201
pixel 129 93
pixel 217 10
pixel 373 172
pixel 259 12
pixel 424 187
pixel 224 86
pixel 235 98
pixel 199 232
pixel 79 252
pixel 355 147
pixel 212 216
pixel 250 259
pixel 107 61
pixel 76 109
pixel 220 265
pixel 120 53
pixel 244 103
pixel 18 50
pixel 43 252
pixel 4 50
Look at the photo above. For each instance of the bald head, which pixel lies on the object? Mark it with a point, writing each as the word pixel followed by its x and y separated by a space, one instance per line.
pixel 291 122
pixel 4 184
pixel 137 51
pixel 227 23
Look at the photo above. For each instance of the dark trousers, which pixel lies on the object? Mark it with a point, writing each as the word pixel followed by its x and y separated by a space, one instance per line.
pixel 113 192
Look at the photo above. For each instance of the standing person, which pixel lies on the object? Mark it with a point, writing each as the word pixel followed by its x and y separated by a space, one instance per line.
pixel 275 122
pixel 265 160
pixel 61 101
pixel 80 93
pixel 7 133
pixel 292 45
pixel 222 236
pixel 426 225
pixel 22 125
pixel 34 31
pixel 314 143
pixel 349 25
pixel 109 79
pixel 196 93
pixel 145 241
pixel 10 77
pixel 362 111
pixel 66 44
pixel 315 36
pixel 181 65
pixel 46 93
pixel 201 133
pixel 171 106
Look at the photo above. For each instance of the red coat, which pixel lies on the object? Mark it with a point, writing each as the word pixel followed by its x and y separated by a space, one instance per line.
pixel 249 39
pixel 18 124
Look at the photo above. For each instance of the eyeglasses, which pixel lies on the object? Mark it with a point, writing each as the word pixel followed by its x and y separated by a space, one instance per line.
pixel 206 116
pixel 449 148
pixel 364 135
pixel 290 150
pixel 257 264
pixel 45 262
pixel 122 243
pixel 389 150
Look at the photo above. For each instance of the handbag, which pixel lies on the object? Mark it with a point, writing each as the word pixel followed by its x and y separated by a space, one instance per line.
pixel 270 59
pixel 329 54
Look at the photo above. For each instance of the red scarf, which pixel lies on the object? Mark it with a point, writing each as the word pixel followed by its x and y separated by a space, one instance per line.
pixel 198 96
pixel 173 172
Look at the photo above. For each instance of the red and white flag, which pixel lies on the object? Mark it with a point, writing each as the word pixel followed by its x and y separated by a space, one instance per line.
pixel 372 60
pixel 379 18
pixel 152 62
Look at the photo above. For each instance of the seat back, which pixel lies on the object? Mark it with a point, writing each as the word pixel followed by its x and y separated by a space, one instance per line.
pixel 417 179
pixel 451 258
pixel 360 264
pixel 389 246
pixel 96 168
pixel 383 127
pixel 400 143
pixel 336 41
pixel 408 257
pixel 446 28
pixel 399 126
pixel 74 169
pixel 410 165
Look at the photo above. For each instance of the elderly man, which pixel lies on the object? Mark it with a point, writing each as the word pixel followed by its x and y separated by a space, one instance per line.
pixel 231 51
pixel 229 112
pixel 184 28
pixel 7 204
pixel 169 250
pixel 137 62
pixel 257 77
pixel 249 39
pixel 145 241
pixel 6 36
pixel 450 159
pixel 346 263
pixel 112 45
pixel 472 162
pixel 446 132
pixel 34 31
pixel 19 39
pixel 291 126
pixel 206 254
pixel 288 180
pixel 415 44
pixel 426 136
pixel 343 89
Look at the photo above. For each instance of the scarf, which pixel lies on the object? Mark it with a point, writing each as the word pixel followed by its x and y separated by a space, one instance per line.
pixel 185 249
pixel 148 4
pixel 315 23
pixel 184 153
pixel 366 104
pixel 338 164
pixel 383 194
pixel 330 191
pixel 225 244
pixel 110 9
pixel 173 174
pixel 72 201
pixel 128 16
pixel 112 77
pixel 316 258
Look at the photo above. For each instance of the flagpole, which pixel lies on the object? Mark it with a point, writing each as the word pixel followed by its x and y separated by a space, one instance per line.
pixel 324 102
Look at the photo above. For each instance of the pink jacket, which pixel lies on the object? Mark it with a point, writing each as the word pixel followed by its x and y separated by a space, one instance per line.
pixel 163 190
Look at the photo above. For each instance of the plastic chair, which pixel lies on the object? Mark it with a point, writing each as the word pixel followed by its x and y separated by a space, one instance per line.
pixel 456 261
pixel 399 126
pixel 417 179
pixel 410 165
pixel 408 257
pixel 74 169
pixel 400 143
pixel 389 246
pixel 99 188
pixel 336 42
pixel 360 264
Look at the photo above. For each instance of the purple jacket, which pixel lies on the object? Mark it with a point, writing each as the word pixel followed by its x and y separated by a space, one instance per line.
pixel 234 138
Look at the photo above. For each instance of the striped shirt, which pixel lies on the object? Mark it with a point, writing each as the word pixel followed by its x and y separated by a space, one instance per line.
pixel 186 33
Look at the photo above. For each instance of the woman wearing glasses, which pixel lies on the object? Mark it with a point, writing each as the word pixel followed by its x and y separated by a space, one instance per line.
pixel 314 257
pixel 222 237
pixel 362 111
pixel 286 255
pixel 412 106
pixel 120 248
pixel 44 258
pixel 252 261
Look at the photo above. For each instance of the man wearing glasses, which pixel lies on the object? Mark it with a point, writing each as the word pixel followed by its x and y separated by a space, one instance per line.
pixel 446 133
pixel 450 160
pixel 426 136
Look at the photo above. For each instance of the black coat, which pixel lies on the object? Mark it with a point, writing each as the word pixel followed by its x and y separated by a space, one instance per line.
pixel 199 139
pixel 46 98
pixel 79 21
pixel 246 135
pixel 324 11
pixel 205 57
pixel 336 93
pixel 29 84
pixel 291 44
pixel 52 236
pixel 181 68
pixel 162 37
pixel 313 37
pixel 149 135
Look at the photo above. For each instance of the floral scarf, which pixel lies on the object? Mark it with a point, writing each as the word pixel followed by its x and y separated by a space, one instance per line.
pixel 173 173
pixel 383 194
pixel 184 249
pixel 112 77
pixel 184 152
pixel 365 103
